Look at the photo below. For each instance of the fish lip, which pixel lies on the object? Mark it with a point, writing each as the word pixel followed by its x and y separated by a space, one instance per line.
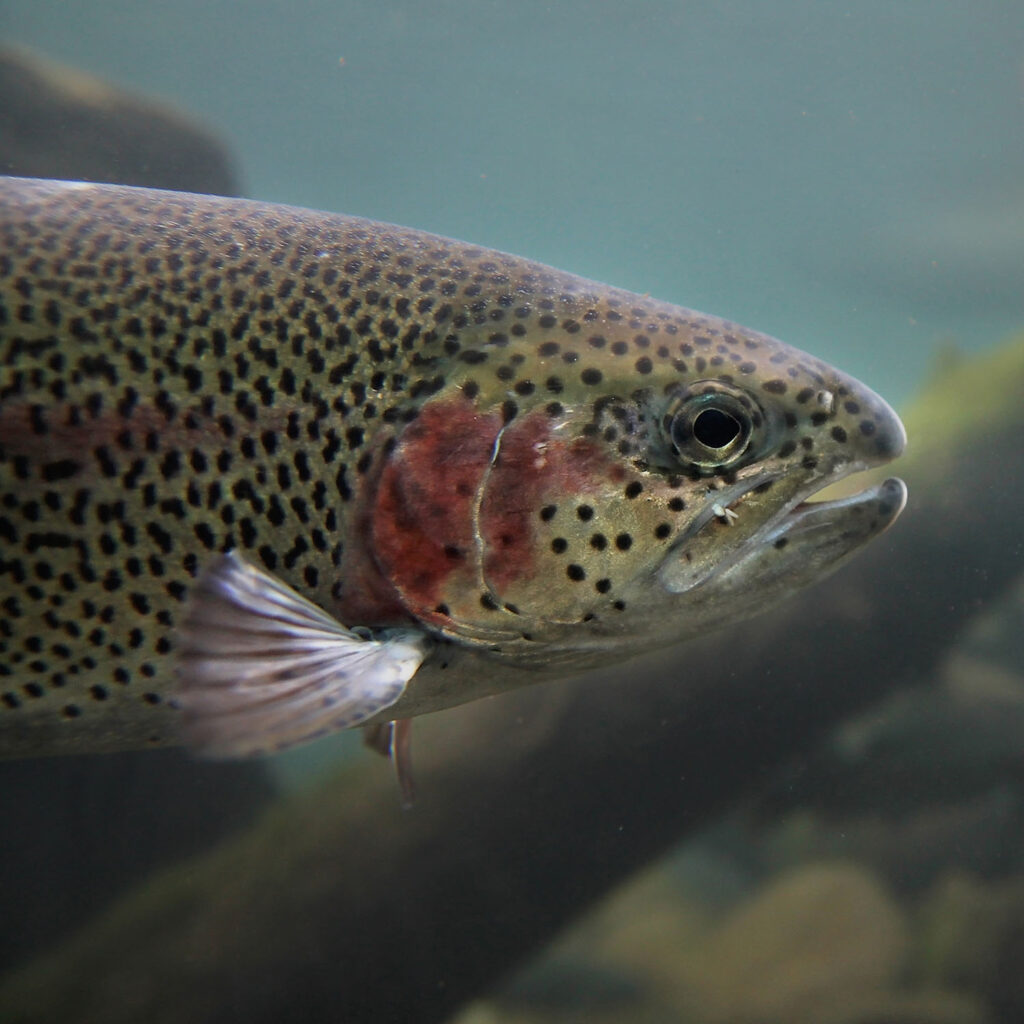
pixel 801 507
pixel 798 514
pixel 805 515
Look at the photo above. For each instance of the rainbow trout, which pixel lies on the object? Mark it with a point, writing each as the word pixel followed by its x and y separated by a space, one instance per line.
pixel 266 473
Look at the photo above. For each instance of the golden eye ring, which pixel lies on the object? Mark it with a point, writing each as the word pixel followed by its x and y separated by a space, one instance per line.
pixel 710 428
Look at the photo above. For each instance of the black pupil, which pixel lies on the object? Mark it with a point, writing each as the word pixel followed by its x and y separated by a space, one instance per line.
pixel 715 429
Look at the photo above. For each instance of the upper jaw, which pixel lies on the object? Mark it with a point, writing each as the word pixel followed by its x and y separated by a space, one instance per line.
pixel 889 498
pixel 692 561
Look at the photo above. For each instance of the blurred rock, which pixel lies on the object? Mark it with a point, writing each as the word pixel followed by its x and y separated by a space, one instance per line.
pixel 885 763
pixel 811 942
pixel 983 834
pixel 77 830
pixel 971 936
pixel 563 985
pixel 938 1007
pixel 56 122
pixel 820 944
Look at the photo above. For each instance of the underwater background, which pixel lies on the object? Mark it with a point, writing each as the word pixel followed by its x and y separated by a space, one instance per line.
pixel 846 177
pixel 843 176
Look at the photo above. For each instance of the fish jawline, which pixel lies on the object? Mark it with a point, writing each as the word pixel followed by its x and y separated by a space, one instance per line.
pixel 799 515
pixel 807 515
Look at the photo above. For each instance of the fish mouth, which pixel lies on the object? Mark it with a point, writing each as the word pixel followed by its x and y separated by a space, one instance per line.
pixel 885 500
pixel 827 529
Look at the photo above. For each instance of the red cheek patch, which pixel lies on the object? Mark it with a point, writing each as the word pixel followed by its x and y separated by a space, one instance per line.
pixel 533 468
pixel 425 503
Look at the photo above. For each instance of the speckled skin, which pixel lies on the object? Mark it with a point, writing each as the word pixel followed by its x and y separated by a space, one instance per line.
pixel 405 428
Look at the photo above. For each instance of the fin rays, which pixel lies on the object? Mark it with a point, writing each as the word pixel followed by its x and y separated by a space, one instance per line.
pixel 261 668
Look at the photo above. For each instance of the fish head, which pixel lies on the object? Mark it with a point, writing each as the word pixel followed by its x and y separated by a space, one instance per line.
pixel 627 489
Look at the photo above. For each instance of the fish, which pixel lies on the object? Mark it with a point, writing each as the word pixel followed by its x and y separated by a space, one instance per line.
pixel 267 473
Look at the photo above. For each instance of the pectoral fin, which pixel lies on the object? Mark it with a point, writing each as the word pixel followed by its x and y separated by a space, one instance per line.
pixel 261 668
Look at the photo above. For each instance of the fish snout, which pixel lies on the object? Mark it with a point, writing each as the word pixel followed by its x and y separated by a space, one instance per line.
pixel 891 440
pixel 866 424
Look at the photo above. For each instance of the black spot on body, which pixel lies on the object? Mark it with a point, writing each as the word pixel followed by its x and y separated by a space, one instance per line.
pixel 61 469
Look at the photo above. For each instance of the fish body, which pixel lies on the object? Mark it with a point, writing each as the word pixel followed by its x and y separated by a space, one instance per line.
pixel 295 471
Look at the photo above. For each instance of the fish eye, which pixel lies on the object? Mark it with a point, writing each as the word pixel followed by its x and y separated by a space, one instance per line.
pixel 710 430
pixel 715 428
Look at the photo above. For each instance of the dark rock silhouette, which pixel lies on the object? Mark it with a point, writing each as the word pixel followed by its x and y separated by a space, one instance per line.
pixel 57 122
